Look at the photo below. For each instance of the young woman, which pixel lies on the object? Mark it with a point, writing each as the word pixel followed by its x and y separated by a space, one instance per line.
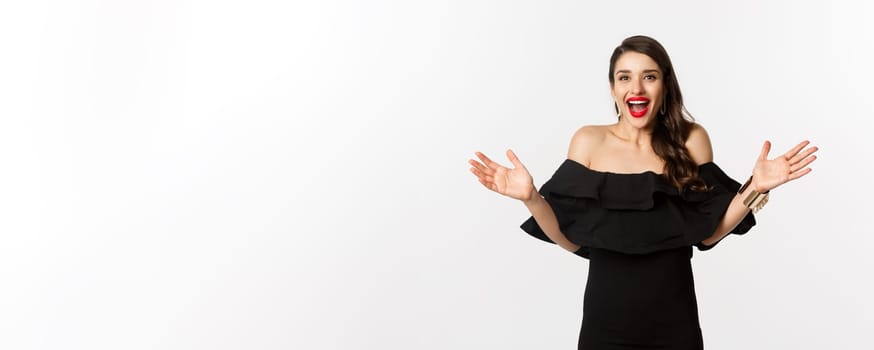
pixel 633 197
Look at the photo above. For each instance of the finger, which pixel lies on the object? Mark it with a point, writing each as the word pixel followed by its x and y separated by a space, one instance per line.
pixel 798 174
pixel 490 185
pixel 514 159
pixel 483 176
pixel 802 165
pixel 801 156
pixel 480 167
pixel 792 152
pixel 476 172
pixel 487 161
pixel 766 148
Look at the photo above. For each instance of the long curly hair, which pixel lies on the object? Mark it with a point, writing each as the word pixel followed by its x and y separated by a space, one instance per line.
pixel 674 125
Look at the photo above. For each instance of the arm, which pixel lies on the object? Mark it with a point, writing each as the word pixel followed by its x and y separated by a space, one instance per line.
pixel 517 183
pixel 733 215
pixel 767 175
pixel 701 151
pixel 545 217
pixel 582 143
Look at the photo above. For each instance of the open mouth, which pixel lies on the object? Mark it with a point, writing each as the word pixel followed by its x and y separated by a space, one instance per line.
pixel 638 106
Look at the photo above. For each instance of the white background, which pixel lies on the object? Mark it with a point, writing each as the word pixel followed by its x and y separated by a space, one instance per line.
pixel 292 175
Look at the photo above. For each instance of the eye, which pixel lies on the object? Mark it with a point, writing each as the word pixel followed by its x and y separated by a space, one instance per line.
pixel 623 77
pixel 650 77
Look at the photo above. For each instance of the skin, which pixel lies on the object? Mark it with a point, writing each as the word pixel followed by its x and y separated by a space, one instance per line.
pixel 626 147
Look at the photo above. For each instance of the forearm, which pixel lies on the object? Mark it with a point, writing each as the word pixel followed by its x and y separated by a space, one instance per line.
pixel 545 217
pixel 733 216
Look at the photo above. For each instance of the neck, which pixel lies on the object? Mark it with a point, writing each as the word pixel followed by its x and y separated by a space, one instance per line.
pixel 640 137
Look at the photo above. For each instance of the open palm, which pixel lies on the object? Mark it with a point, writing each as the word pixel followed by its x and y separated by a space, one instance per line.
pixel 515 183
pixel 771 173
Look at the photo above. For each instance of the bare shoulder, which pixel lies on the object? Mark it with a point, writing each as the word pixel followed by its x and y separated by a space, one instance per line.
pixel 699 145
pixel 585 141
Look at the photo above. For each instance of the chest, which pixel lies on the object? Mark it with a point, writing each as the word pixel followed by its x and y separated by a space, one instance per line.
pixel 626 160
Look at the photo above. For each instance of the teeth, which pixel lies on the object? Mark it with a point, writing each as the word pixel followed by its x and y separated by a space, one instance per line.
pixel 638 102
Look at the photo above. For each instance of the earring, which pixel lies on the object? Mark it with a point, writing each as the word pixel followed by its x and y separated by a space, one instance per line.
pixel 663 108
pixel 618 112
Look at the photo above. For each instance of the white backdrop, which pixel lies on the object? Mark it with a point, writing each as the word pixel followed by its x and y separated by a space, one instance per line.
pixel 292 175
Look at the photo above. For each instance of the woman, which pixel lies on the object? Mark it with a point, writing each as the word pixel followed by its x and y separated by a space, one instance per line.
pixel 633 197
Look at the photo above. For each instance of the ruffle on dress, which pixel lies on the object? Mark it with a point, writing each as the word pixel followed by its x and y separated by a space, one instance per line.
pixel 635 213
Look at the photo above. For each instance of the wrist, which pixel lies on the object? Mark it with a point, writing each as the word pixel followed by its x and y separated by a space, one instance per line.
pixel 754 197
pixel 754 185
pixel 758 187
pixel 532 197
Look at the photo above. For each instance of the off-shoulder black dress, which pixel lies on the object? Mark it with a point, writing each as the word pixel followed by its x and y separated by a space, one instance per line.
pixel 637 231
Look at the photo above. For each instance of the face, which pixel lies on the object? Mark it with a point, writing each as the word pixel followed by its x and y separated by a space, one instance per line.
pixel 637 88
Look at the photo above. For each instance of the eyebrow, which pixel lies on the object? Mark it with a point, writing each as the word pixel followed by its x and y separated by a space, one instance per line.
pixel 626 71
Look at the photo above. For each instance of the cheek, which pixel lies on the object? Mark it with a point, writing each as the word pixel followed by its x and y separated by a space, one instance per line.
pixel 618 93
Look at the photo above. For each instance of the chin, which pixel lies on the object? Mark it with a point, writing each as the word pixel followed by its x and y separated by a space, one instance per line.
pixel 642 122
pixel 639 121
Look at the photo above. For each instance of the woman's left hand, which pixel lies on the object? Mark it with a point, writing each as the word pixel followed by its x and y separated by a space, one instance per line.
pixel 771 173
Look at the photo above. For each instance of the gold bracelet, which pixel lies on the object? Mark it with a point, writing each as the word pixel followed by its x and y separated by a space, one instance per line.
pixel 755 200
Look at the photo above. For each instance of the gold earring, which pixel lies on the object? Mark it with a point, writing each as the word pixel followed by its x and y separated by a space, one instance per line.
pixel 618 112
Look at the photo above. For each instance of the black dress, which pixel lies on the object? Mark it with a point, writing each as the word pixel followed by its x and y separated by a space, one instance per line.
pixel 637 231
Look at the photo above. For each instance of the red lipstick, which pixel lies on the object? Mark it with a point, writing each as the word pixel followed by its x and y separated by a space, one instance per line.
pixel 637 106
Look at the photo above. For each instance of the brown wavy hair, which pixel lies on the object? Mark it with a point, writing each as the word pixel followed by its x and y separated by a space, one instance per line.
pixel 674 125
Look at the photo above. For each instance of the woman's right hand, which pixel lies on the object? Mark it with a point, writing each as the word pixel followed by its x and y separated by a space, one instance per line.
pixel 514 183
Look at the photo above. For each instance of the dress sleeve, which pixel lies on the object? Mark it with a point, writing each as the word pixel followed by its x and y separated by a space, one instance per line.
pixel 722 192
pixel 564 218
pixel 635 213
pixel 560 191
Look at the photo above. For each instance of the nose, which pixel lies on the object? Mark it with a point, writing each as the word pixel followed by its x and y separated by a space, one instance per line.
pixel 637 87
